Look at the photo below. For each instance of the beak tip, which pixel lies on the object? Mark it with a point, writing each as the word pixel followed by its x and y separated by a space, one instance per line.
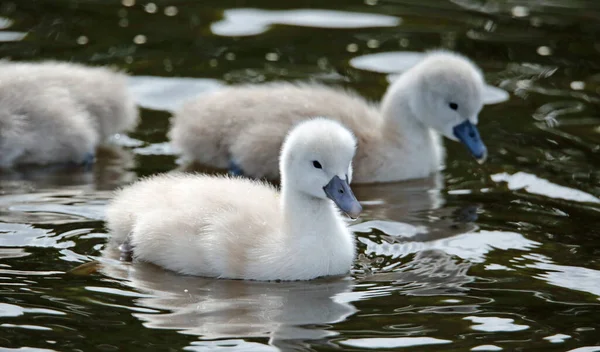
pixel 468 134
pixel 355 212
pixel 482 157
pixel 340 193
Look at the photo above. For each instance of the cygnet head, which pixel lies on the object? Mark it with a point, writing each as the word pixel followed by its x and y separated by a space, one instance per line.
pixel 448 98
pixel 316 159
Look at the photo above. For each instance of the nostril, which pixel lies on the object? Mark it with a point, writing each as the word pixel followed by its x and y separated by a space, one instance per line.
pixel 341 191
pixel 472 134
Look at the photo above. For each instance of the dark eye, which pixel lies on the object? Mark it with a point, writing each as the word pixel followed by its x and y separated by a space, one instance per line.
pixel 317 164
pixel 453 106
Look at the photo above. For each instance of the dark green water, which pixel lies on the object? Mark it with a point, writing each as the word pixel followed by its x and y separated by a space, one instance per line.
pixel 484 257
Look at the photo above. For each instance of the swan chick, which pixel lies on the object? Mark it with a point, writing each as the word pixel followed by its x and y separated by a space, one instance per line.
pixel 58 112
pixel 238 228
pixel 242 127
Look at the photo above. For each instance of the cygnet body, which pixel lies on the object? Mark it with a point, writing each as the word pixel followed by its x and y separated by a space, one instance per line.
pixel 242 127
pixel 58 112
pixel 238 228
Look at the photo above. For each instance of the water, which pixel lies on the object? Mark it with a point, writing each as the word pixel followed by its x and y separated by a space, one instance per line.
pixel 482 257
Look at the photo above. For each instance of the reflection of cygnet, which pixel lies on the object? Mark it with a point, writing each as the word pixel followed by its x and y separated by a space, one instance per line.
pixel 405 201
pixel 216 309
pixel 54 112
pixel 242 127
pixel 244 229
pixel 412 209
pixel 112 169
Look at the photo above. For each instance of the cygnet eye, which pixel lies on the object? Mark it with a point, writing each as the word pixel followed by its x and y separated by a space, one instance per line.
pixel 317 164
pixel 453 106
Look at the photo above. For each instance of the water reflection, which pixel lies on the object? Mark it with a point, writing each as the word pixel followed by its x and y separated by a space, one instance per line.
pixel 168 93
pixel 493 324
pixel 23 235
pixel 58 195
pixel 394 342
pixel 537 185
pixel 28 349
pixel 586 349
pixel 11 310
pixel 496 6
pixel 287 313
pixel 246 22
pixel 471 246
pixel 550 112
pixel 8 36
pixel 217 309
pixel 50 206
pixel 570 277
pixel 428 273
pixel 229 345
pixel 5 22
pixel 412 209
pixel 487 348
pixel 111 169
pixel 400 201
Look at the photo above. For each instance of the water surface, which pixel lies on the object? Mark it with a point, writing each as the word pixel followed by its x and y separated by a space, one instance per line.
pixel 500 256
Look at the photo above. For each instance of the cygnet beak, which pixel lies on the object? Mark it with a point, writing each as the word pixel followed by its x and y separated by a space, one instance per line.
pixel 339 191
pixel 468 134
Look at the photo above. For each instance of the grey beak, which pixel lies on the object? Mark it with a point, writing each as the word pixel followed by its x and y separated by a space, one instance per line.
pixel 468 134
pixel 340 193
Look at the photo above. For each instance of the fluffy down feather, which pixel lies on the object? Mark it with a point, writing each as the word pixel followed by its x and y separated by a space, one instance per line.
pixel 397 140
pixel 56 112
pixel 240 228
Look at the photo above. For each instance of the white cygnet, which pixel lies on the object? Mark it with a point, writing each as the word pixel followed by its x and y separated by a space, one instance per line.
pixel 58 112
pixel 242 127
pixel 238 228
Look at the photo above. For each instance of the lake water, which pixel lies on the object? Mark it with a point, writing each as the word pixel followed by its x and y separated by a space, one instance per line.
pixel 499 256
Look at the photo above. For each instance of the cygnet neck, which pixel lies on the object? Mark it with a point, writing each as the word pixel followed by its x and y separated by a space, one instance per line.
pixel 406 147
pixel 305 215
pixel 396 108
